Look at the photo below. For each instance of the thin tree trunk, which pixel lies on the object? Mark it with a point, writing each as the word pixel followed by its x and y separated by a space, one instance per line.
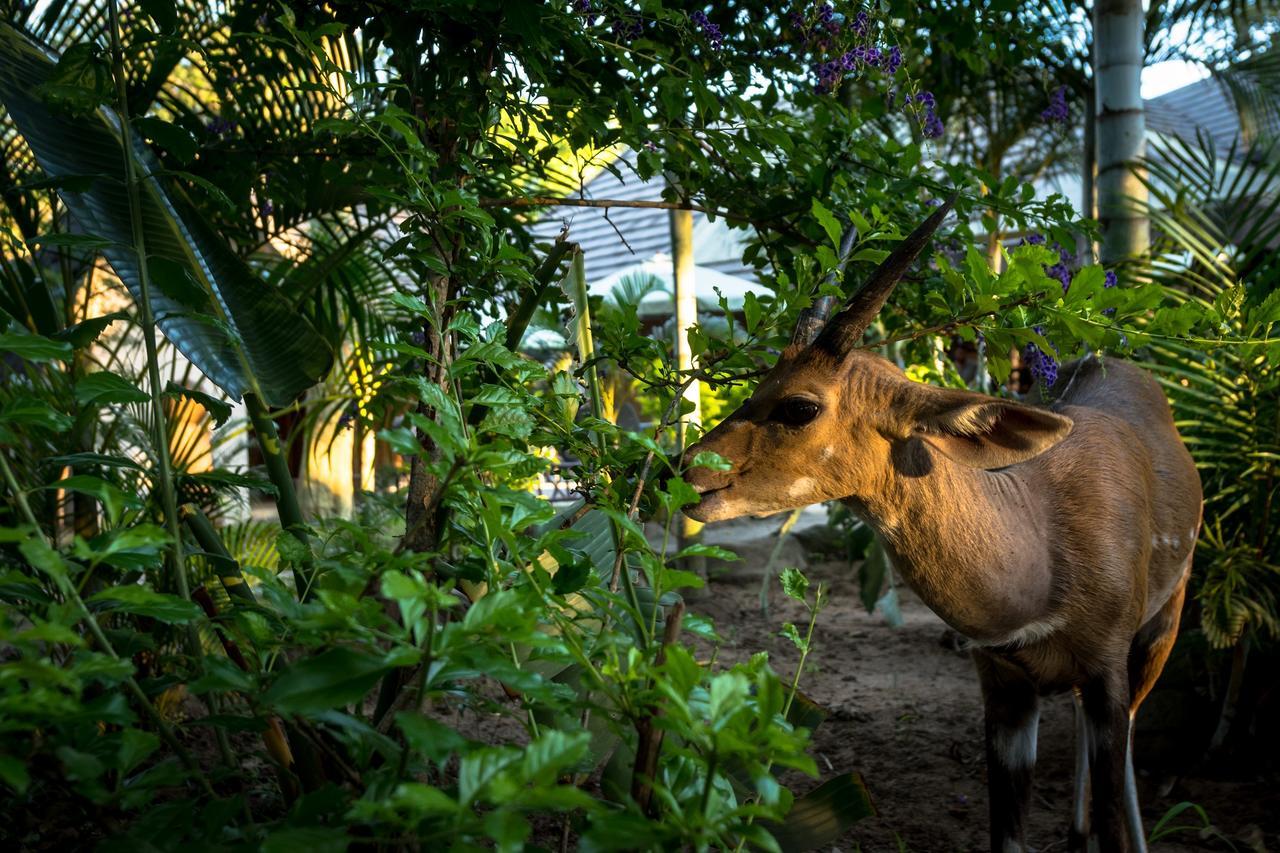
pixel 1231 701
pixel 1118 52
pixel 422 521
pixel 686 311
pixel 357 465
pixel 1088 175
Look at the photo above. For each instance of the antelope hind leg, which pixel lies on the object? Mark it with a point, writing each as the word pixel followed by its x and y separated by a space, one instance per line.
pixel 1147 656
pixel 1106 707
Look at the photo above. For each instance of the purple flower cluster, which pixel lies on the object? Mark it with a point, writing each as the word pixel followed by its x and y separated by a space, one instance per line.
pixel 860 23
pixel 1062 269
pixel 266 209
pixel 627 29
pixel 221 127
pixel 830 73
pixel 931 126
pixel 1044 367
pixel 710 30
pixel 1111 280
pixel 891 60
pixel 1057 113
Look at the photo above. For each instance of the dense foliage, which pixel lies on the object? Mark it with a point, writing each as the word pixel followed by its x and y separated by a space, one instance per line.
pixel 327 211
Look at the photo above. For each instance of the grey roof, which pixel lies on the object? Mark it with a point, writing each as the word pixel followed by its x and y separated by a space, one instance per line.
pixel 1206 106
pixel 645 230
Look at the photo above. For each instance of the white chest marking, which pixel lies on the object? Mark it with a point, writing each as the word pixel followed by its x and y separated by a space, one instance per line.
pixel 1033 632
pixel 802 487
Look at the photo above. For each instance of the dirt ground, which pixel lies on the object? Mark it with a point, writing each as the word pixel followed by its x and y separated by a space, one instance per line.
pixel 905 712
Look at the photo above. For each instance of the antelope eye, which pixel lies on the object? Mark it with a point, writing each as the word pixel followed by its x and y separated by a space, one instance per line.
pixel 795 411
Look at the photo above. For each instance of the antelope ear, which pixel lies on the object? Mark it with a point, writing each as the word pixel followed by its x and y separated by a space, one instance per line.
pixel 983 432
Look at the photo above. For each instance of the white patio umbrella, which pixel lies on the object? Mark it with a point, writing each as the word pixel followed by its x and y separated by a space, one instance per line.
pixel 659 302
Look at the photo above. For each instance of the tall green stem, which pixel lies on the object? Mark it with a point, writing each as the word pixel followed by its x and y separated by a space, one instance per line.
pixel 226 566
pixel 586 354
pixel 164 477
pixel 286 493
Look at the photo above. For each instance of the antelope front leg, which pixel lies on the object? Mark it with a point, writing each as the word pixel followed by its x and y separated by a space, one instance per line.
pixel 1106 707
pixel 1011 719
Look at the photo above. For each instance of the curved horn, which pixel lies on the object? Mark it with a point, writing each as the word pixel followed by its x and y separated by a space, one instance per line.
pixel 811 320
pixel 846 329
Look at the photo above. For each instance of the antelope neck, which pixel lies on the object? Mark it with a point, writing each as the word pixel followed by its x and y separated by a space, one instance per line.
pixel 967 541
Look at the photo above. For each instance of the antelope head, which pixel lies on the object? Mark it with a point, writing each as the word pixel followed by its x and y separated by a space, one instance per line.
pixel 832 421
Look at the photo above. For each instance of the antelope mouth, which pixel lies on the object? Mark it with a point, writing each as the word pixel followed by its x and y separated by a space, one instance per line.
pixel 711 503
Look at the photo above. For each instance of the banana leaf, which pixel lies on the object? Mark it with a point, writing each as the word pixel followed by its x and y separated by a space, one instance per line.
pixel 240 332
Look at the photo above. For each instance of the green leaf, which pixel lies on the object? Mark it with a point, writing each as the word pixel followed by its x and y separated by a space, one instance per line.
pixel 258 336
pixel 333 678
pixel 34 347
pixel 871 575
pixel 135 747
pixel 177 283
pixel 571 577
pixel 13 773
pixel 824 814
pixel 142 601
pixel 751 311
pixel 711 460
pixel 105 387
pixel 792 633
pixel 80 765
pixel 221 674
pixel 827 221
pixel 313 839
pixel 83 334
pixel 713 552
pixel 794 583
pixel 113 499
pixel 44 558
pixel 432 739
pixel 168 136
pixel 27 410
pixel 554 752
pixel 478 768
pixel 60 240
pixel 219 410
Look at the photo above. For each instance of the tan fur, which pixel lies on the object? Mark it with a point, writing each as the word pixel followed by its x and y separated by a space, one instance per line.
pixel 1048 536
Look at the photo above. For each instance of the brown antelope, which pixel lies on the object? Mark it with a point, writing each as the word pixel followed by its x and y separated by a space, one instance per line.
pixel 1056 539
